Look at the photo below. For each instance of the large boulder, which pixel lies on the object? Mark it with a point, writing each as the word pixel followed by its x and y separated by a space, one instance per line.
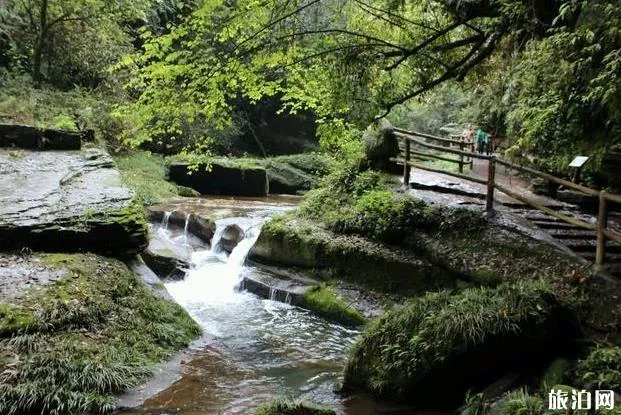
pixel 67 201
pixel 296 173
pixel 381 145
pixel 430 352
pixel 29 137
pixel 222 178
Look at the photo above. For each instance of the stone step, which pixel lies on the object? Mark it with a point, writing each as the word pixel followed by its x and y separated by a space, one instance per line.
pixel 579 245
pixel 270 286
pixel 578 233
pixel 611 257
pixel 556 225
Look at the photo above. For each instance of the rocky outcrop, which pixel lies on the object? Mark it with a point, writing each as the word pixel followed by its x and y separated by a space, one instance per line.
pixel 222 178
pixel 294 242
pixel 165 265
pixel 67 201
pixel 380 145
pixel 295 173
pixel 29 137
pixel 231 236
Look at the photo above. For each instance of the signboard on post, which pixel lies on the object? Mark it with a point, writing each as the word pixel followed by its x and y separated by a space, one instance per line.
pixel 577 164
pixel 578 161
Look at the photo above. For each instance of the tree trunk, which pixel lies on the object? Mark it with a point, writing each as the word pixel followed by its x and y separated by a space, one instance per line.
pixel 40 43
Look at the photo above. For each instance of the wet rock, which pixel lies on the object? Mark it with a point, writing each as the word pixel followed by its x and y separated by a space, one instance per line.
pixel 222 179
pixel 543 187
pixel 231 236
pixel 295 173
pixel 29 137
pixel 380 145
pixel 202 227
pixel 299 243
pixel 67 201
pixel 165 264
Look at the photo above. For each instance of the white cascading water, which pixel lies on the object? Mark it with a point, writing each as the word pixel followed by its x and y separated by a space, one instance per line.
pixel 279 349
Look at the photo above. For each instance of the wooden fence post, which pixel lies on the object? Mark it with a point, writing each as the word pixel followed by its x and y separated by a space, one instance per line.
pixel 602 224
pixel 406 163
pixel 461 156
pixel 491 174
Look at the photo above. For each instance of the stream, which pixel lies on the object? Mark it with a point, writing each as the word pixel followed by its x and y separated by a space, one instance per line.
pixel 252 350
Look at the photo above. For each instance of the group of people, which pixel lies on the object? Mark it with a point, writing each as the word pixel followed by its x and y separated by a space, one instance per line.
pixel 484 142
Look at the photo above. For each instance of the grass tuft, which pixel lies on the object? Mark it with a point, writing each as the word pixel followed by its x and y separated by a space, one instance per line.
pixel 283 407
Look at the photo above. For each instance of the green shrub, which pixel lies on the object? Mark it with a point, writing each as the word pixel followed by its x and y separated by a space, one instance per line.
pixel 282 407
pixel 404 346
pixel 603 367
pixel 473 405
pixel 520 402
pixel 325 302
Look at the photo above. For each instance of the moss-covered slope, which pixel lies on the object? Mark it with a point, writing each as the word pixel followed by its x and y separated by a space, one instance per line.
pixel 96 330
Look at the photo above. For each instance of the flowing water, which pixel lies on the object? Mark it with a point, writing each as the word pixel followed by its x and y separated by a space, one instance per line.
pixel 252 350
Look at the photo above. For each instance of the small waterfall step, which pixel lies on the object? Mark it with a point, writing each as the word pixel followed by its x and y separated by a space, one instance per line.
pixel 266 284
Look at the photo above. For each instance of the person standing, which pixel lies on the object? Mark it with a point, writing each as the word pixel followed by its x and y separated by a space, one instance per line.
pixel 480 138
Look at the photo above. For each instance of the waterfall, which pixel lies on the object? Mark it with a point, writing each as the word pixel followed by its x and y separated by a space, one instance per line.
pixel 165 220
pixel 288 298
pixel 185 228
pixel 273 293
pixel 214 276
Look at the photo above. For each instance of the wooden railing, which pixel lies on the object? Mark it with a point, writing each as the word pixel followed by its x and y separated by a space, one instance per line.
pixel 601 227
pixel 460 142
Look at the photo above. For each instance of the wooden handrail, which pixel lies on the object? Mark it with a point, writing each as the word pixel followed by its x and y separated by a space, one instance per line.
pixel 429 136
pixel 420 153
pixel 440 148
pixel 440 171
pixel 614 235
pixel 551 212
pixel 612 197
pixel 566 183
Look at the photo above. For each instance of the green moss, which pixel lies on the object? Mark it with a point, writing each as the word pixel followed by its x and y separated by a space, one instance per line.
pixel 325 302
pixel 145 173
pixel 282 407
pixel 94 332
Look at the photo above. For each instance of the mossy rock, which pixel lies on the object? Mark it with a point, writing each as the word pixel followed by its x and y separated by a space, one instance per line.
pixel 282 407
pixel 380 145
pixel 431 351
pixel 291 241
pixel 323 301
pixel 223 177
pixel 90 334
